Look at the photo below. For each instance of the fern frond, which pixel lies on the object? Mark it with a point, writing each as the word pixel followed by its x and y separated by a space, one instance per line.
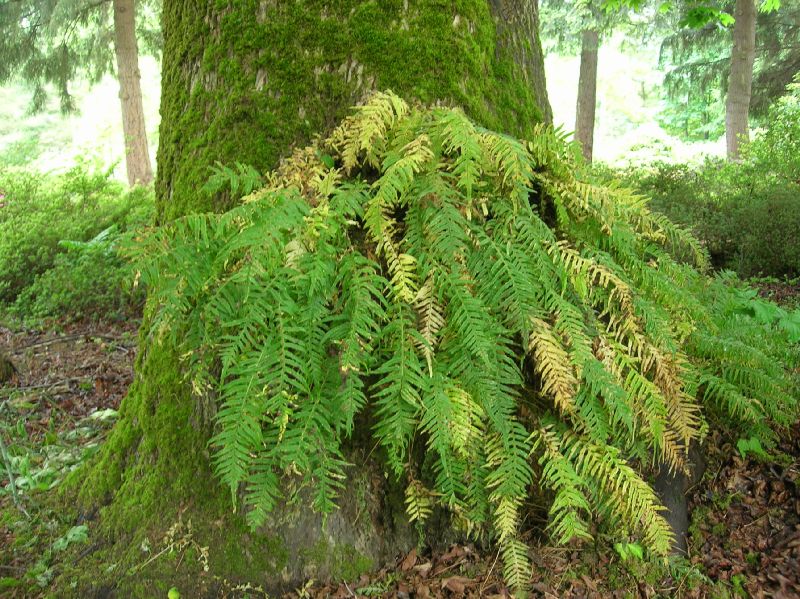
pixel 552 364
pixel 502 322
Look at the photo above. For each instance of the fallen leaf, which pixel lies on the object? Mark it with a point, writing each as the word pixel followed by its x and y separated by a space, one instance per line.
pixel 409 561
pixel 456 584
pixel 423 569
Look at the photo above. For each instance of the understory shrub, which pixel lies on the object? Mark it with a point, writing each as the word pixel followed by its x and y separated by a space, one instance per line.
pixel 748 221
pixel 476 298
pixel 58 237
pixel 746 213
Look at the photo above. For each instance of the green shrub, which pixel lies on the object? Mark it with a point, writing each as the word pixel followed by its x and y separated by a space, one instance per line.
pixel 747 218
pixel 57 242
pixel 88 279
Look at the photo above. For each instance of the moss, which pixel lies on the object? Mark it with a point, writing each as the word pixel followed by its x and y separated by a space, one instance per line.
pixel 245 80
pixel 343 562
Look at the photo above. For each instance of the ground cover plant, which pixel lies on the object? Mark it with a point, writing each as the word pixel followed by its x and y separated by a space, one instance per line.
pixel 54 415
pixel 478 299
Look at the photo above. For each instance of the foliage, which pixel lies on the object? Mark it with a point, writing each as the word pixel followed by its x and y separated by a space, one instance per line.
pixel 776 150
pixel 693 113
pixel 750 446
pixel 697 63
pixel 562 22
pixel 747 214
pixel 57 241
pixel 54 41
pixel 240 180
pixel 476 298
pixel 41 464
pixel 629 551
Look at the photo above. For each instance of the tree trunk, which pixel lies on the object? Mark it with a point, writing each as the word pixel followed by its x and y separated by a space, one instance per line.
pixel 245 81
pixel 249 88
pixel 518 27
pixel 740 83
pixel 587 93
pixel 137 156
pixel 672 489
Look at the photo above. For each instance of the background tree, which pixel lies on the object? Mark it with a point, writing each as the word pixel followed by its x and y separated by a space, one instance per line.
pixel 247 82
pixel 572 26
pixel 698 63
pixel 55 41
pixel 564 22
pixel 740 78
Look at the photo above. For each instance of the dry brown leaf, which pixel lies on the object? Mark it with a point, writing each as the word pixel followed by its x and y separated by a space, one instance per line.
pixel 456 584
pixel 409 561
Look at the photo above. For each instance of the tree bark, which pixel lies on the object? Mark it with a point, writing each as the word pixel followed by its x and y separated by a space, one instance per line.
pixel 587 93
pixel 740 82
pixel 137 156
pixel 245 81
pixel 518 28
pixel 248 88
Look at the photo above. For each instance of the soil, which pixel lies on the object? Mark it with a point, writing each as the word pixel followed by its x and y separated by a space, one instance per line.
pixel 70 374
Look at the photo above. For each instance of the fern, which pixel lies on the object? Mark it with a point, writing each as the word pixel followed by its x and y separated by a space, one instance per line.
pixel 525 327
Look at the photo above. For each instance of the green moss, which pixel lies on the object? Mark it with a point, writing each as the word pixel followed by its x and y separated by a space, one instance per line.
pixel 343 562
pixel 246 80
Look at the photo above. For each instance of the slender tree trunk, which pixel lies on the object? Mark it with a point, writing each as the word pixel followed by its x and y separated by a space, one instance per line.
pixel 740 83
pixel 137 157
pixel 246 81
pixel 587 93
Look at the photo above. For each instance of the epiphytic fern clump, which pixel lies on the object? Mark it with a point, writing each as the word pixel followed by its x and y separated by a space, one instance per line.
pixel 476 297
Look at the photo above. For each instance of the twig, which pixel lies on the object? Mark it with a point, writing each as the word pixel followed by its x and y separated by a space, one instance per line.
pixel 74 379
pixel 13 568
pixel 488 574
pixel 74 337
pixel 463 560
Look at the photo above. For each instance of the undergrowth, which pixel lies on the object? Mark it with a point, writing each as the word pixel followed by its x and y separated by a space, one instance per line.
pixel 747 213
pixel 58 237
pixel 475 297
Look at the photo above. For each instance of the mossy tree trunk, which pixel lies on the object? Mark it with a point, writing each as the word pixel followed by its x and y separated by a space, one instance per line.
pixel 247 80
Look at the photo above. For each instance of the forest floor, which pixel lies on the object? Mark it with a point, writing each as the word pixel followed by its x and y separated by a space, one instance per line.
pixel 745 531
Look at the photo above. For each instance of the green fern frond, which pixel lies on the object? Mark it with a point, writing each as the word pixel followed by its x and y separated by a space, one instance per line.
pixel 502 322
